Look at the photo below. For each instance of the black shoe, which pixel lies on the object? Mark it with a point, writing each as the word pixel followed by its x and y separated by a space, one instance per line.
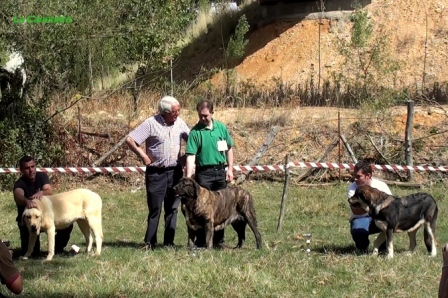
pixel 199 244
pixel 220 245
pixel 148 246
pixel 361 251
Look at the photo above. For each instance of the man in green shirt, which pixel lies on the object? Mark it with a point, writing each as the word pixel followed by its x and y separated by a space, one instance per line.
pixel 209 151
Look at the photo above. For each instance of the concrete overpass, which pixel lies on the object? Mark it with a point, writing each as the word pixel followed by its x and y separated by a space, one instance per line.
pixel 271 10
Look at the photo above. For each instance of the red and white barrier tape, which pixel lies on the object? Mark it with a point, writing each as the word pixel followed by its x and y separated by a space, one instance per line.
pixel 264 168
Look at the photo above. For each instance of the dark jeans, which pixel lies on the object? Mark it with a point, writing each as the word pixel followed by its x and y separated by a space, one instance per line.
pixel 360 229
pixel 211 179
pixel 60 240
pixel 159 189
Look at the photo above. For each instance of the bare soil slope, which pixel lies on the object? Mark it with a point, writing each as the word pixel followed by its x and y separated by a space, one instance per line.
pixel 417 34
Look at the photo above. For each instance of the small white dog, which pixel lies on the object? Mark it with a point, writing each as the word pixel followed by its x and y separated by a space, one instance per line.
pixel 60 211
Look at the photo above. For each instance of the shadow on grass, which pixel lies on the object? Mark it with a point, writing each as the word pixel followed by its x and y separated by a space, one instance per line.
pixel 139 245
pixel 351 250
pixel 337 249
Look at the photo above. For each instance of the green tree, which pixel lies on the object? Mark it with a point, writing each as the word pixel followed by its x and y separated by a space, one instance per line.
pixel 367 62
pixel 63 58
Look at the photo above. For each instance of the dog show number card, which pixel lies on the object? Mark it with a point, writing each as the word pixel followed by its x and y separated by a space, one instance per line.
pixel 222 146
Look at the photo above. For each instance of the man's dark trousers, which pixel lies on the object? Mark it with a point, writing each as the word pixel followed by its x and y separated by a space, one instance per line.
pixel 159 190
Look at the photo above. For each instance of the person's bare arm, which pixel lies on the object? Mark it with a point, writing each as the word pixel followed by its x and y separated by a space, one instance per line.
pixel 21 200
pixel 16 286
pixel 443 285
pixel 229 175
pixel 46 190
pixel 190 165
pixel 138 151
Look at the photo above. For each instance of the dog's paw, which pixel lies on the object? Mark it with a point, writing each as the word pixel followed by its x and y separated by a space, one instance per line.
pixel 23 258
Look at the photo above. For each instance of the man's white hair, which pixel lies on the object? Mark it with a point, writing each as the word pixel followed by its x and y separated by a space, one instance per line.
pixel 166 103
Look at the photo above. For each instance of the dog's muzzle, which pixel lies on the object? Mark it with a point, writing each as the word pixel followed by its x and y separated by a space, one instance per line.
pixel 355 204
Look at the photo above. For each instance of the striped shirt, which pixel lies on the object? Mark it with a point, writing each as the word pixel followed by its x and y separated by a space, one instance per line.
pixel 162 141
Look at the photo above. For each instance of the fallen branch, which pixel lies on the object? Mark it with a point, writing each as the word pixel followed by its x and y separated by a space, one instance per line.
pixel 260 153
pixel 317 185
pixel 324 156
pixel 403 184
pixel 95 134
pixel 108 153
pixel 349 149
pixel 384 157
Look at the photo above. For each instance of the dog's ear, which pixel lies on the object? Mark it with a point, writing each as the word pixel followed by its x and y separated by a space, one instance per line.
pixel 360 194
pixel 197 188
pixel 22 221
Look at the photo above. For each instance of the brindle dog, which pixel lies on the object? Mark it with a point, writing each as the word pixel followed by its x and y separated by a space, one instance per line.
pixel 393 215
pixel 214 210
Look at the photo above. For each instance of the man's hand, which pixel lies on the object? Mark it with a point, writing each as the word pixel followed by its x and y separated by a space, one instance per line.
pixel 229 175
pixel 445 254
pixel 37 196
pixel 30 204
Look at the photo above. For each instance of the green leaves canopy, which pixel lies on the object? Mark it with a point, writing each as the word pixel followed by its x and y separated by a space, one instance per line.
pixel 111 34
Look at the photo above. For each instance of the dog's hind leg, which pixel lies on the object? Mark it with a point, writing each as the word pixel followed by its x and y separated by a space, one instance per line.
pixel 96 227
pixel 85 229
pixel 252 222
pixel 429 236
pixel 389 243
pixel 412 240
pixel 239 226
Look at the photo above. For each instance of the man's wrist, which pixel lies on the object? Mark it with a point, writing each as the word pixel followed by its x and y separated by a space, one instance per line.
pixel 445 267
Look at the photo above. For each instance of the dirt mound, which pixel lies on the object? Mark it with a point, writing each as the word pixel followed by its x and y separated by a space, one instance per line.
pixel 292 51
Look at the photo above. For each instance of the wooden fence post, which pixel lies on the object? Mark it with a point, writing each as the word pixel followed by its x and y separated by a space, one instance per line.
pixel 408 137
pixel 339 143
pixel 285 194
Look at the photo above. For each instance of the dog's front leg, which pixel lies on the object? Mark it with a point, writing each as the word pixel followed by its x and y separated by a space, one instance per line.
pixel 191 236
pixel 31 242
pixel 51 232
pixel 378 241
pixel 389 243
pixel 209 230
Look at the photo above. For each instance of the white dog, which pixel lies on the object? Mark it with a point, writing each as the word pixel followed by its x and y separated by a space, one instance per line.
pixel 60 211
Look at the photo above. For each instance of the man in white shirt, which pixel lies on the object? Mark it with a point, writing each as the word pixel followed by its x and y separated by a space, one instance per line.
pixel 361 224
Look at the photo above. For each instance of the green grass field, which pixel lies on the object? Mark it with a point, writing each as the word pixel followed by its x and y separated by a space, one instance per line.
pixel 282 268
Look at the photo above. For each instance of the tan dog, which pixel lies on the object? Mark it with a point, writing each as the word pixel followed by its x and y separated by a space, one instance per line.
pixel 393 215
pixel 60 211
pixel 214 210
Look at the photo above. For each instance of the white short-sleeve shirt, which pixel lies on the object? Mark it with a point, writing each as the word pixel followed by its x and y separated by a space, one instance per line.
pixel 375 183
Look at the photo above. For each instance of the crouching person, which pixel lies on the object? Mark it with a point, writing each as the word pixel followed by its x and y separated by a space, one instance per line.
pixel 32 185
pixel 9 274
pixel 361 223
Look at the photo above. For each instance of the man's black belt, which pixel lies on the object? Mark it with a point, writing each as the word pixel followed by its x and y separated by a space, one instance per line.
pixel 159 169
pixel 214 167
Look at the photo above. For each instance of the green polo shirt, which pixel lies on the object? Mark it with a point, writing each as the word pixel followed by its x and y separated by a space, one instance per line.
pixel 203 143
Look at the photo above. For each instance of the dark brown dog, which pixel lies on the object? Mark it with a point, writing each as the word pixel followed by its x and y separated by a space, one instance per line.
pixel 214 210
pixel 393 214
